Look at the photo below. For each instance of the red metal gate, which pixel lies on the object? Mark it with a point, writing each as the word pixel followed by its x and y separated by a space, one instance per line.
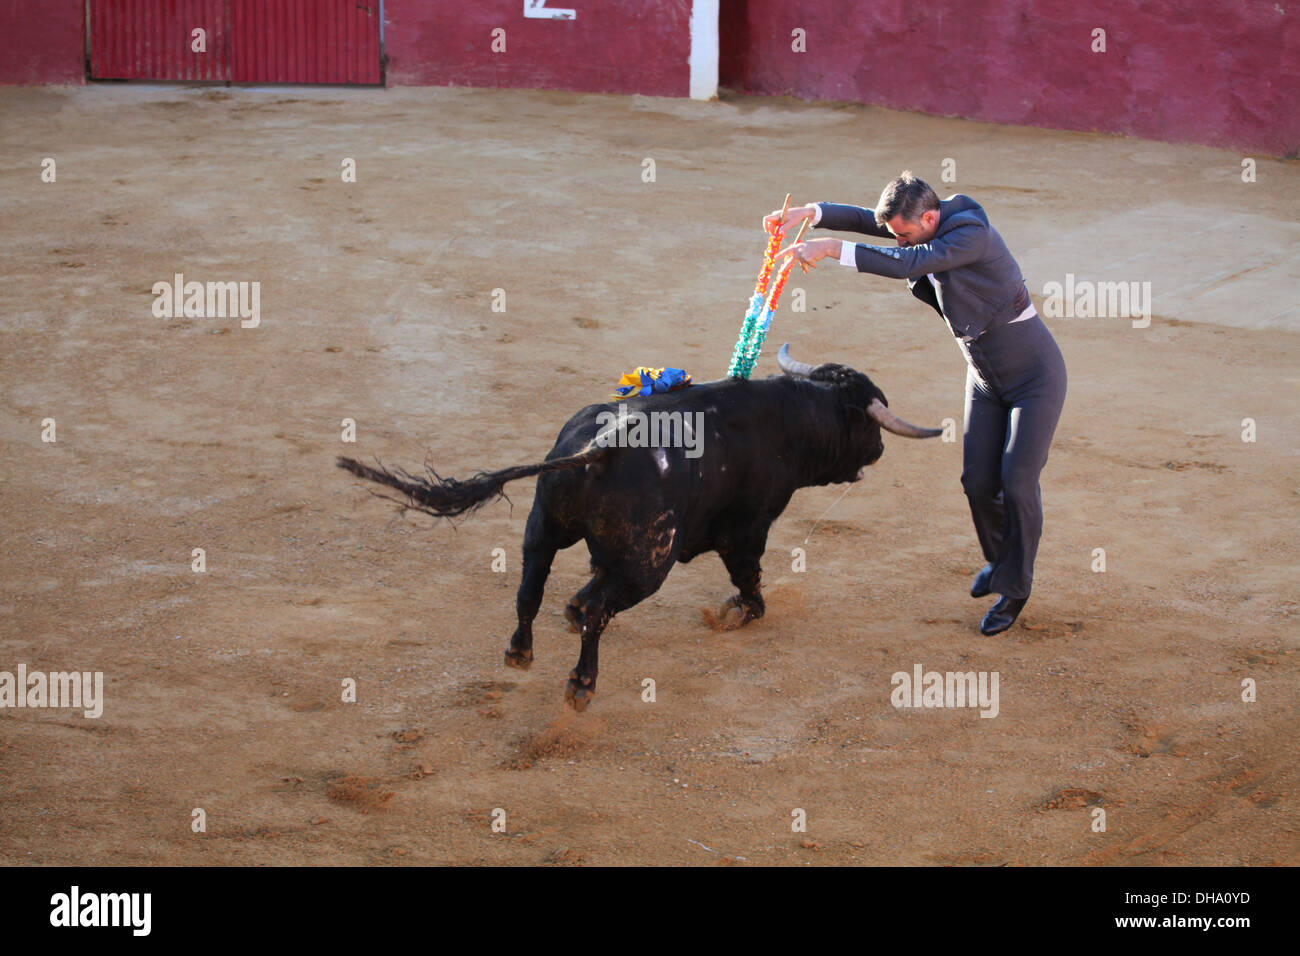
pixel 244 41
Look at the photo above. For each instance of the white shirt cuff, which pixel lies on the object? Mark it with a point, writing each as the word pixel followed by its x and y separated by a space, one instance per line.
pixel 817 213
pixel 848 253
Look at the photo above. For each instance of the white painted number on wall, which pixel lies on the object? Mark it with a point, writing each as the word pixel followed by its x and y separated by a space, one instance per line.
pixel 538 10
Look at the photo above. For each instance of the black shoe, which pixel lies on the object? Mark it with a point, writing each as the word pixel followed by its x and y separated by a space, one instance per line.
pixel 980 586
pixel 1001 615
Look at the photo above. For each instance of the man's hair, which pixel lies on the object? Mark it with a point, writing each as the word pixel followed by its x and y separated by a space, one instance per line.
pixel 905 196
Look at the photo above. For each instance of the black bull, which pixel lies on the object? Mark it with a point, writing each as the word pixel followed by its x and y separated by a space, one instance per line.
pixel 642 509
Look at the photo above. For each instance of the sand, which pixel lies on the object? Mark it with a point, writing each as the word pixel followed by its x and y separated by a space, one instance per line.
pixel 1119 691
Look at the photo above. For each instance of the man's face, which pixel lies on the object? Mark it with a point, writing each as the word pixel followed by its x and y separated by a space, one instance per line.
pixel 913 232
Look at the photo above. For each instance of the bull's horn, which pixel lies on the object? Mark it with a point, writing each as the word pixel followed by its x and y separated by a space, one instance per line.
pixel 791 366
pixel 892 423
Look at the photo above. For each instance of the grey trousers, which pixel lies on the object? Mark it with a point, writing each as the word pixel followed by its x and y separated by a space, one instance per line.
pixel 1015 388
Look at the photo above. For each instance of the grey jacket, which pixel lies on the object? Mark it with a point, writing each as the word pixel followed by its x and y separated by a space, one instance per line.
pixel 977 284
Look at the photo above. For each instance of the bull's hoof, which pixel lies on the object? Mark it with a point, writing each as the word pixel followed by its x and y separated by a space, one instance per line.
pixel 735 613
pixel 577 695
pixel 520 659
pixel 574 616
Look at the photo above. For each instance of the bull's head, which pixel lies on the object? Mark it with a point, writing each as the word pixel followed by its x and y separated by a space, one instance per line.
pixel 866 413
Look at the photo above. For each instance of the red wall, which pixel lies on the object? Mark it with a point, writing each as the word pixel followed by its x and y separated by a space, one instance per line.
pixel 614 46
pixel 42 41
pixel 1195 71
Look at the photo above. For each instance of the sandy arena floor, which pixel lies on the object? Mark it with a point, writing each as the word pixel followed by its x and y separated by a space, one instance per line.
pixel 1119 690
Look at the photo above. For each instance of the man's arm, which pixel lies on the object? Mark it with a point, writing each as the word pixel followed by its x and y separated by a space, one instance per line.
pixel 960 247
pixel 842 218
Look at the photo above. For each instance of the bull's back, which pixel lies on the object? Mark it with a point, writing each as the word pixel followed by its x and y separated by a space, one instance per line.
pixel 719 463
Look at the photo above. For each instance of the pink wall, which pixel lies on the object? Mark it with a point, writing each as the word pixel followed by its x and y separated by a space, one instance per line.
pixel 42 42
pixel 614 46
pixel 1222 74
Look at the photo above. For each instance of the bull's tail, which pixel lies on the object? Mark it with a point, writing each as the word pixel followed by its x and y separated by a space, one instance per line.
pixel 447 497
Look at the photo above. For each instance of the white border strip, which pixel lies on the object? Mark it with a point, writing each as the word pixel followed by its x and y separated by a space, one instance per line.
pixel 704 49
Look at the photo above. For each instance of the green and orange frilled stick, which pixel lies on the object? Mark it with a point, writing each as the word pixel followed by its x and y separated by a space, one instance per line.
pixel 769 254
pixel 758 317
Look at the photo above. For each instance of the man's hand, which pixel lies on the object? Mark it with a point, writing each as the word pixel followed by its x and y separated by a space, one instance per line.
pixel 793 216
pixel 807 253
